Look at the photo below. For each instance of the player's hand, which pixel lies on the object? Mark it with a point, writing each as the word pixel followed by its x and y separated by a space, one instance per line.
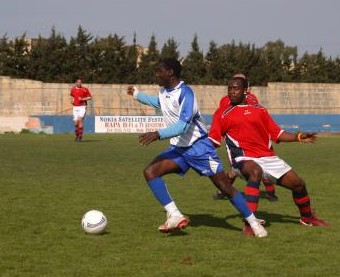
pixel 146 138
pixel 308 137
pixel 130 90
pixel 231 175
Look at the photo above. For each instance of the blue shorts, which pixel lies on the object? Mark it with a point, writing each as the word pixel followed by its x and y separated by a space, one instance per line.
pixel 201 156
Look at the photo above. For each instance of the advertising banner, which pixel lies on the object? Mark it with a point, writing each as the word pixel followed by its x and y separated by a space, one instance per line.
pixel 128 124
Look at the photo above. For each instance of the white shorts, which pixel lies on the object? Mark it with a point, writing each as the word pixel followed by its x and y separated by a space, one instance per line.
pixel 79 112
pixel 273 167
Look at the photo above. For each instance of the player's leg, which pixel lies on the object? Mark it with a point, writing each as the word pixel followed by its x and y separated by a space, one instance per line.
pixel 75 121
pixel 203 158
pixel 218 195
pixel 153 173
pixel 76 129
pixel 270 189
pixel 81 116
pixel 80 128
pixel 253 173
pixel 292 181
pixel 223 183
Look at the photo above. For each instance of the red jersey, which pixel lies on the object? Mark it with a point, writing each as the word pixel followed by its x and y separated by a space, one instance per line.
pixel 251 99
pixel 78 93
pixel 248 131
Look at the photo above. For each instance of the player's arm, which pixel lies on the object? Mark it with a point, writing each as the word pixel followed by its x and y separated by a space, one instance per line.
pixel 224 102
pixel 280 135
pixel 149 100
pixel 71 97
pixel 87 97
pixel 173 130
pixel 305 137
pixel 176 129
pixel 215 132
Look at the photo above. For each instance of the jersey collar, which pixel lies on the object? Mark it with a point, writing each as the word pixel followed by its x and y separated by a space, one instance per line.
pixel 174 88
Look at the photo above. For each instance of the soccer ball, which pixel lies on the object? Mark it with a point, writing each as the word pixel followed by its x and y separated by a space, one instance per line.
pixel 94 222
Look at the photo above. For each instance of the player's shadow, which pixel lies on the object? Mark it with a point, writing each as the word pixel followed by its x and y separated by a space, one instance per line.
pixel 281 218
pixel 105 233
pixel 263 195
pixel 177 233
pixel 270 218
pixel 197 220
pixel 90 140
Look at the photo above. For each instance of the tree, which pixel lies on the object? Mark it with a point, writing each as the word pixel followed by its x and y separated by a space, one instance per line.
pixel 193 65
pixel 214 65
pixel 130 67
pixel 79 56
pixel 170 49
pixel 280 61
pixel 145 72
pixel 109 59
pixel 313 68
pixel 17 61
pixel 333 70
pixel 5 56
pixel 48 58
pixel 256 73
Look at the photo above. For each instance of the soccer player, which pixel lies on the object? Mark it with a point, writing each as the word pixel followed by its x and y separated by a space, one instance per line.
pixel 252 100
pixel 79 97
pixel 250 97
pixel 248 131
pixel 189 146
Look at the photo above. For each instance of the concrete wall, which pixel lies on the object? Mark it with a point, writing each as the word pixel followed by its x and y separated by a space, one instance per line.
pixel 21 99
pixel 25 97
pixel 13 123
pixel 300 98
pixel 321 123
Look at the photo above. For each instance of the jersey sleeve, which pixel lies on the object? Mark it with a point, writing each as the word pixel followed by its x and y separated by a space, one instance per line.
pixel 252 99
pixel 273 129
pixel 149 100
pixel 224 102
pixel 88 93
pixel 173 130
pixel 186 100
pixel 215 132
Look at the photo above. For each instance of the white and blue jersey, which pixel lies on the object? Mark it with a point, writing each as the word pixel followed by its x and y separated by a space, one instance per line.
pixel 181 114
pixel 190 147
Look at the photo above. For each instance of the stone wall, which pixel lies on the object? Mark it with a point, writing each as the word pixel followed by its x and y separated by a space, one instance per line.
pixel 25 98
pixel 300 98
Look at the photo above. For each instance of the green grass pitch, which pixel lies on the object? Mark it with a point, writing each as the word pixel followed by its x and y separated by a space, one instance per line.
pixel 47 182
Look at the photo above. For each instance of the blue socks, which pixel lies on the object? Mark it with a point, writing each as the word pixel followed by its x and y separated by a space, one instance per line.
pixel 240 204
pixel 160 191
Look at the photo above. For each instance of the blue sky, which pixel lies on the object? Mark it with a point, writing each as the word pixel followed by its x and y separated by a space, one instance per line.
pixel 307 24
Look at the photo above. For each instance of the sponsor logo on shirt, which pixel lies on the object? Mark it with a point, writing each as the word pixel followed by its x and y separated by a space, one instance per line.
pixel 246 112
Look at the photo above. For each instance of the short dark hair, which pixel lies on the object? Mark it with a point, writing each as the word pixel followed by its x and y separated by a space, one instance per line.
pixel 171 64
pixel 244 81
